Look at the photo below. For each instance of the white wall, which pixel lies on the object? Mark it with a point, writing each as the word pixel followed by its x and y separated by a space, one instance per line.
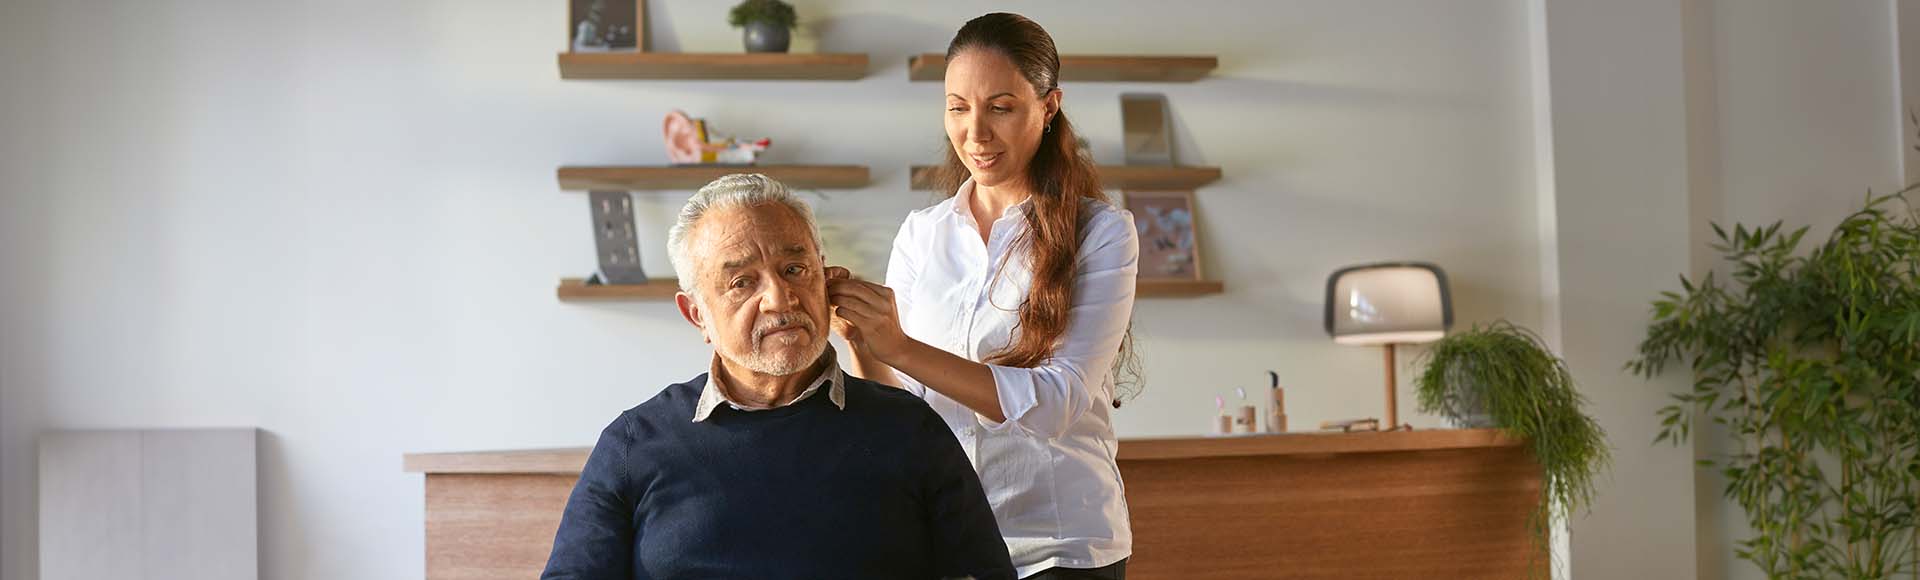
pixel 1801 121
pixel 1620 219
pixel 337 220
pixel 1666 117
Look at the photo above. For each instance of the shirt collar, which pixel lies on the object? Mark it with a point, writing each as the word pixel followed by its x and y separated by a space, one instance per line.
pixel 963 202
pixel 714 395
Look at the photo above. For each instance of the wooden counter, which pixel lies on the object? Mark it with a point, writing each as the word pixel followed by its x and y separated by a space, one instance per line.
pixel 1419 504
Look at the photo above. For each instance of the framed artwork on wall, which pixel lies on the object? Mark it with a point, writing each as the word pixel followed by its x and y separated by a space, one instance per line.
pixel 605 25
pixel 1169 234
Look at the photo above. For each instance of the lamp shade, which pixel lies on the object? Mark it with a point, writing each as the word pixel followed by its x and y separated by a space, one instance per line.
pixel 1388 303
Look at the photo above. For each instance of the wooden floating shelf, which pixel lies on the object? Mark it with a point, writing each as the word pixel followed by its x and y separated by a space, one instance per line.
pixel 691 177
pixel 1121 177
pixel 712 66
pixel 1094 68
pixel 578 290
pixel 1145 288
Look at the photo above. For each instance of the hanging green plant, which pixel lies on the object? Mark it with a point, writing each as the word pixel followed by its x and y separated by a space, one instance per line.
pixel 1811 361
pixel 1505 375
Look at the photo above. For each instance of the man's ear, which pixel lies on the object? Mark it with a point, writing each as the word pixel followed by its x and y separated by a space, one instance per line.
pixel 690 310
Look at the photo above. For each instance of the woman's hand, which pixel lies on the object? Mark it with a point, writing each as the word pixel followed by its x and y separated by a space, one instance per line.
pixel 840 325
pixel 865 314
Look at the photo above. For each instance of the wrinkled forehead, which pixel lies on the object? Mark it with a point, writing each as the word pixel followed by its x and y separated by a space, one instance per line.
pixel 734 238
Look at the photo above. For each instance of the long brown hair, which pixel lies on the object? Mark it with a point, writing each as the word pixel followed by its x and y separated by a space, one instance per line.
pixel 1060 176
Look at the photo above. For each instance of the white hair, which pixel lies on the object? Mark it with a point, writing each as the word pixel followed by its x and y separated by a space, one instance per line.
pixel 739 190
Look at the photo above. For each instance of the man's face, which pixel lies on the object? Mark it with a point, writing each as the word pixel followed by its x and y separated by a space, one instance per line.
pixel 762 293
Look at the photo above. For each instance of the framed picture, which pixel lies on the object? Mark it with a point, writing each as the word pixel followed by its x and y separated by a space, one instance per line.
pixel 605 25
pixel 1169 234
pixel 1144 122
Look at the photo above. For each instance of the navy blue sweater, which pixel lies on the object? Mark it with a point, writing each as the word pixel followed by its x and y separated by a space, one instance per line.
pixel 880 489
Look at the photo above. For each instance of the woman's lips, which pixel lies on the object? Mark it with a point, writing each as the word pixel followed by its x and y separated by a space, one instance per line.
pixel 984 161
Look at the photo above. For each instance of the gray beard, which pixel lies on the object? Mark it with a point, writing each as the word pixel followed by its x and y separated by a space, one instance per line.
pixel 761 362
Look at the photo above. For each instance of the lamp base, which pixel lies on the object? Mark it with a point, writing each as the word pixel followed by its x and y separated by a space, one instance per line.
pixel 1393 392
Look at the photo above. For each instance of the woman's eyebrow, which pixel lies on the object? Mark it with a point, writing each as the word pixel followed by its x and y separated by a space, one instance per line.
pixel 988 98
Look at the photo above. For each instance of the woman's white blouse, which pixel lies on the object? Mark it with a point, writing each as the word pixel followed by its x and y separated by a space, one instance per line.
pixel 1049 469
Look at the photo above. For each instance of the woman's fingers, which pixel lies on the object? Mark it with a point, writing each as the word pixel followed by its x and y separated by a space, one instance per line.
pixel 845 292
pixel 868 292
pixel 839 273
pixel 852 306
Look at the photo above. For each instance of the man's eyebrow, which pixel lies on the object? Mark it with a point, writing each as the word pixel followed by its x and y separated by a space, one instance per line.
pixel 796 250
pixel 736 263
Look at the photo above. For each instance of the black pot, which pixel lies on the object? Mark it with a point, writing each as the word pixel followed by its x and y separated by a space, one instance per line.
pixel 767 37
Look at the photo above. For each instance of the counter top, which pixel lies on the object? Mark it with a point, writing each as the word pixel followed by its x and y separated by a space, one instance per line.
pixel 569 460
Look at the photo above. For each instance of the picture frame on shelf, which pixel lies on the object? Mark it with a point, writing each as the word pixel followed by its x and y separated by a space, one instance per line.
pixel 1147 126
pixel 606 25
pixel 1169 234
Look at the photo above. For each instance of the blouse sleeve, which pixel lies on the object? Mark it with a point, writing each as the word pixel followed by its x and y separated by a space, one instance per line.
pixel 903 268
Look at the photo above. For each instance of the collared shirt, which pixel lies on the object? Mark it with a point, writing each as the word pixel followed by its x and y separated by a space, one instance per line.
pixel 714 394
pixel 1049 469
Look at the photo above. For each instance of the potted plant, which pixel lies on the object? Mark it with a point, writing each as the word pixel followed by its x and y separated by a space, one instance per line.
pixel 768 24
pixel 1810 361
pixel 1504 376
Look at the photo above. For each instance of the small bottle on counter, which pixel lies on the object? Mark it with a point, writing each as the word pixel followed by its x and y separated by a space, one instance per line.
pixel 1245 421
pixel 1277 414
pixel 1277 411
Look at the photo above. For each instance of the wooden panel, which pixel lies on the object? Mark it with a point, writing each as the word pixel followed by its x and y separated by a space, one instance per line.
pixel 1093 68
pixel 692 177
pixel 499 526
pixel 561 461
pixel 1152 177
pixel 712 66
pixel 1118 177
pixel 1311 443
pixel 1426 514
pixel 1178 288
pixel 578 290
pixel 1420 504
pixel 569 460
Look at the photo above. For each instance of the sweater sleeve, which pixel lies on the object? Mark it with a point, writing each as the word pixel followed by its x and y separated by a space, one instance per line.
pixel 966 539
pixel 596 538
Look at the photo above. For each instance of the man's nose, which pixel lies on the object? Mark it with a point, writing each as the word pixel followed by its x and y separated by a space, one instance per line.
pixel 780 296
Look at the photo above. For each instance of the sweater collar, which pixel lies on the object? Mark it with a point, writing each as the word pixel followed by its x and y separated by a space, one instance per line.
pixel 714 394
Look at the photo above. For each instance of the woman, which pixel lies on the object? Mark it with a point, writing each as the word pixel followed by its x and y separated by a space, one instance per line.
pixel 1007 306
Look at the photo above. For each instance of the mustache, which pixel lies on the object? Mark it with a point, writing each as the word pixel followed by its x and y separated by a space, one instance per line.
pixel 778 322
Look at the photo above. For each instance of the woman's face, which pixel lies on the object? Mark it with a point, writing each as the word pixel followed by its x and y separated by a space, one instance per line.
pixel 994 119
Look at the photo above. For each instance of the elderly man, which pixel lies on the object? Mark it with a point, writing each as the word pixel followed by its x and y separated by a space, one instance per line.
pixel 773 464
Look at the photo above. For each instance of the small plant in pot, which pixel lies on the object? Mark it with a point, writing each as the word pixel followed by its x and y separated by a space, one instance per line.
pixel 768 24
pixel 1504 376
